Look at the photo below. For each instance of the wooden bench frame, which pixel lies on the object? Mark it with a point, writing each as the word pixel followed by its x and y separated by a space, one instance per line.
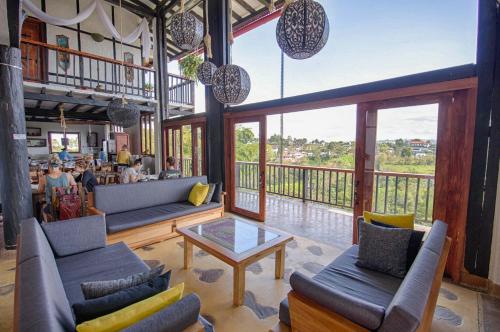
pixel 144 235
pixel 306 315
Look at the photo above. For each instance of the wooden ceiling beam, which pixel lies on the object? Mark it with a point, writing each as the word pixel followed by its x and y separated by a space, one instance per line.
pixel 140 11
pixel 247 7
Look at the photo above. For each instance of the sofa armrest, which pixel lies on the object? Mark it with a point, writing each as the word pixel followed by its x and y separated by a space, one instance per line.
pixel 175 318
pixel 73 236
pixel 361 312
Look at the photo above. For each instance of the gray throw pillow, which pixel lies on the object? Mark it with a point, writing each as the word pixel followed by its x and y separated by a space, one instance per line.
pixel 95 289
pixel 383 249
pixel 210 194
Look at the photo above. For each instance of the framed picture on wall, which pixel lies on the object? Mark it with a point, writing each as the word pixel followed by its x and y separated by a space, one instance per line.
pixel 92 140
pixel 33 132
pixel 36 142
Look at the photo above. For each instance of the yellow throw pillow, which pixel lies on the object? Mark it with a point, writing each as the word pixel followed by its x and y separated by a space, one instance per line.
pixel 134 313
pixel 398 220
pixel 198 194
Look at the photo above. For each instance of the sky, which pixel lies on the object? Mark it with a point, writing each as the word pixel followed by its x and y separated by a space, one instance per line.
pixel 369 41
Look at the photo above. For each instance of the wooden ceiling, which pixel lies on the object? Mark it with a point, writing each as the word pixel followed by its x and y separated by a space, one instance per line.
pixel 244 12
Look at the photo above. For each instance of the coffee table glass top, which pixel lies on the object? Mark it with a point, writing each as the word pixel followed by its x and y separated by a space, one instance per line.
pixel 235 235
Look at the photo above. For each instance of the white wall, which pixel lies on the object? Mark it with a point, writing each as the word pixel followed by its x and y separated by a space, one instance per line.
pixel 54 126
pixel 67 9
pixel 495 243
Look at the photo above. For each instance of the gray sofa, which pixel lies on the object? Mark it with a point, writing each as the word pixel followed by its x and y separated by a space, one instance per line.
pixel 161 203
pixel 361 299
pixel 52 263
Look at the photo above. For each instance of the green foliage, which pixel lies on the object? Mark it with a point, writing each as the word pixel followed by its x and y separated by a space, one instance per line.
pixel 189 64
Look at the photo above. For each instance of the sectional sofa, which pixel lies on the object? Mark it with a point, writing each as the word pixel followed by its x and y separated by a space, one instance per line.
pixel 148 212
pixel 345 297
pixel 52 263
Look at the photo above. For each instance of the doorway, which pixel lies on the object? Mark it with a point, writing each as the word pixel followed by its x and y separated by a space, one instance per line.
pixel 248 166
pixel 32 57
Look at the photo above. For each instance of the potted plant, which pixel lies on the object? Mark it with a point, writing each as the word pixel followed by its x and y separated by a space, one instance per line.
pixel 189 65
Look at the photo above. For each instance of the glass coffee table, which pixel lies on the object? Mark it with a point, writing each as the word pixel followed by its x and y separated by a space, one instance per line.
pixel 238 243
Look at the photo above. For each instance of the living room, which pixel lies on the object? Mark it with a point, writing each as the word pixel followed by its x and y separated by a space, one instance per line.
pixel 293 183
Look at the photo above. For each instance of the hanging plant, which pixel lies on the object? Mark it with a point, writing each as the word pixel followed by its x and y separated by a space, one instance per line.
pixel 189 66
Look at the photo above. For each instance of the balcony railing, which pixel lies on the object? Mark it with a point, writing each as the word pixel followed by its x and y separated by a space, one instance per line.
pixel 181 90
pixel 51 64
pixel 393 192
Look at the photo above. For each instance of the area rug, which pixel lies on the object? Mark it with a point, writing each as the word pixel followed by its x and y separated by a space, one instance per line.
pixel 212 280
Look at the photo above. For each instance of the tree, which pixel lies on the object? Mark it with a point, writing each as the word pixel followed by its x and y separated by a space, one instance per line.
pixel 406 152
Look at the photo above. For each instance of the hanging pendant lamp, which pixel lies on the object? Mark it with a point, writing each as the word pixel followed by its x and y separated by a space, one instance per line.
pixel 231 84
pixel 119 111
pixel 303 29
pixel 207 69
pixel 186 30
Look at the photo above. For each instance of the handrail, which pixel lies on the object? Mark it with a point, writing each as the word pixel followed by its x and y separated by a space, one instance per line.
pixel 83 54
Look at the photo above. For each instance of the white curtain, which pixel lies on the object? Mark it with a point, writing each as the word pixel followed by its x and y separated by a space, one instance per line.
pixel 142 30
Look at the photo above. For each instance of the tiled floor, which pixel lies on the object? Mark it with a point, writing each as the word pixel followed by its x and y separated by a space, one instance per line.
pixel 314 221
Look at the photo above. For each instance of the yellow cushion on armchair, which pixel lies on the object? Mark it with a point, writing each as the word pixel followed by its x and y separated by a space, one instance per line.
pixel 397 220
pixel 134 313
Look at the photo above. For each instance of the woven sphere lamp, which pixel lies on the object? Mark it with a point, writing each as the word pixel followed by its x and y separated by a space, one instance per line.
pixel 303 29
pixel 205 72
pixel 186 31
pixel 123 114
pixel 231 84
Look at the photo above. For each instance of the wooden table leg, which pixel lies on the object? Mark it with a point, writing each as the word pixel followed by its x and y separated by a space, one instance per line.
pixel 238 285
pixel 279 267
pixel 188 254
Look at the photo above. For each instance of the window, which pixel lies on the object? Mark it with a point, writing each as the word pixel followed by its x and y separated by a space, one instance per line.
pixel 147 134
pixel 56 142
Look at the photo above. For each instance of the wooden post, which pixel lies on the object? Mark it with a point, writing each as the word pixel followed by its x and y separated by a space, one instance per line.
pixel 15 188
pixel 218 20
pixel 484 173
pixel 162 88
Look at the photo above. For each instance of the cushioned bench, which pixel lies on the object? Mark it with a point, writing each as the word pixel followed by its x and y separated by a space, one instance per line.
pixel 147 212
pixel 52 264
pixel 344 297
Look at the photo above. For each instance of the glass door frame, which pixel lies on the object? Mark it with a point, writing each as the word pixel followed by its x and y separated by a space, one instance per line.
pixel 231 149
pixel 195 124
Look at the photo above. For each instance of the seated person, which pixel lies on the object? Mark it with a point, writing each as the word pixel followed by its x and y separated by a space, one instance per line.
pixel 64 155
pixel 170 172
pixel 132 174
pixel 54 179
pixel 85 176
pixel 123 157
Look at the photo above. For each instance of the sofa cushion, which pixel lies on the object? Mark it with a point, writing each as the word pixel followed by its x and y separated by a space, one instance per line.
pixel 134 196
pixel 42 305
pixel 372 286
pixel 361 312
pixel 130 219
pixel 76 235
pixel 112 262
pixel 98 288
pixel 398 220
pixel 284 313
pixel 217 197
pixel 383 249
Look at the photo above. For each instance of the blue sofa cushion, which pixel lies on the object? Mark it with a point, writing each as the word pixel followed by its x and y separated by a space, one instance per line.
pixel 135 196
pixel 76 235
pixel 383 249
pixel 126 220
pixel 34 243
pixel 362 312
pixel 112 262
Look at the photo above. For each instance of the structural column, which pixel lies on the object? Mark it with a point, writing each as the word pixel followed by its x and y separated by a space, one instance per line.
pixel 218 20
pixel 15 187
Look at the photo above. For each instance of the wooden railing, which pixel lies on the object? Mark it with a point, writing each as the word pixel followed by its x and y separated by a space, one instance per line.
pixel 181 90
pixel 393 192
pixel 51 64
